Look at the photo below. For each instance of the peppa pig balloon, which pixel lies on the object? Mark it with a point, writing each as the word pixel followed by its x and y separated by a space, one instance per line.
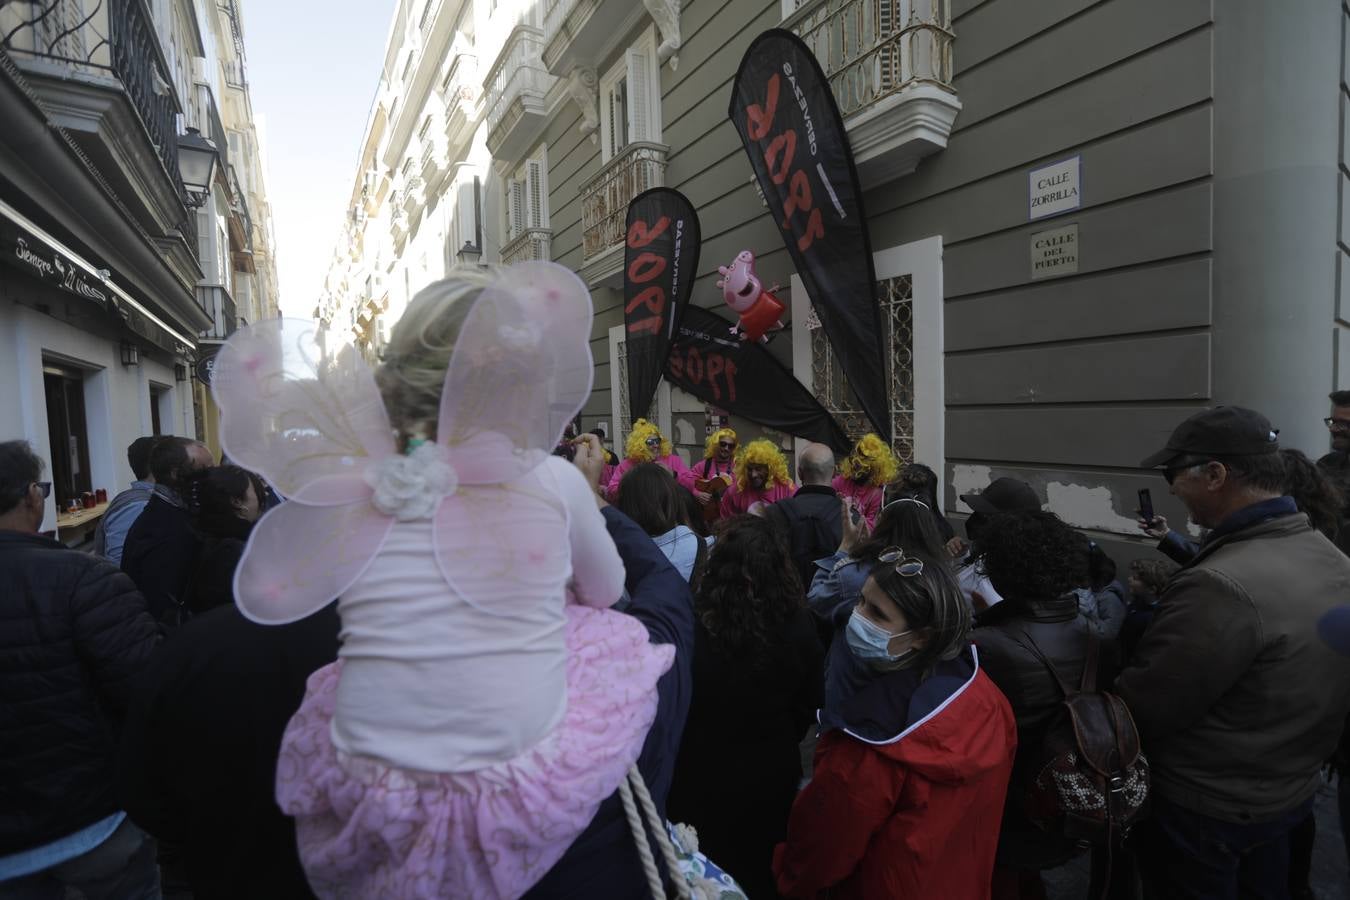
pixel 759 310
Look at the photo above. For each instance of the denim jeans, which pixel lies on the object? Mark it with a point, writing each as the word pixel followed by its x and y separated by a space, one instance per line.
pixel 121 868
pixel 1183 855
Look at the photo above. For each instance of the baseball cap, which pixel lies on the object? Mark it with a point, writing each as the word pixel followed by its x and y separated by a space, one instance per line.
pixel 1004 495
pixel 1222 431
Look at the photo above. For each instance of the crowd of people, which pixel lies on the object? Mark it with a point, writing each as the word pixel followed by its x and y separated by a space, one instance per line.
pixel 646 675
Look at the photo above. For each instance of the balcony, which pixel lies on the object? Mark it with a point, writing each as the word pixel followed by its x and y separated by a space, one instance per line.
pixel 532 244
pixel 104 78
pixel 516 88
pixel 891 76
pixel 460 91
pixel 604 205
pixel 581 33
pixel 220 307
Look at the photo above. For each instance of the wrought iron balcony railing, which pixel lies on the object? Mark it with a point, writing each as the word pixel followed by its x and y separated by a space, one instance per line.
pixel 873 49
pixel 605 198
pixel 103 37
pixel 532 244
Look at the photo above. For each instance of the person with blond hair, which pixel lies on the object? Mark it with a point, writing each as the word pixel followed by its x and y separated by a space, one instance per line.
pixel 710 479
pixel 646 444
pixel 761 477
pixel 864 474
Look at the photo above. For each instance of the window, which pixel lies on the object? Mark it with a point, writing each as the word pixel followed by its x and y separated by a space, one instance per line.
pixel 426 126
pixel 527 195
pixel 156 420
pixel 67 432
pixel 630 99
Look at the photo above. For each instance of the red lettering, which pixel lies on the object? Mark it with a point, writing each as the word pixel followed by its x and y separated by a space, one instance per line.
pixel 731 381
pixel 815 228
pixel 640 236
pixel 694 366
pixel 653 298
pixel 757 119
pixel 799 196
pixel 715 365
pixel 652 325
pixel 786 144
pixel 646 267
pixel 676 365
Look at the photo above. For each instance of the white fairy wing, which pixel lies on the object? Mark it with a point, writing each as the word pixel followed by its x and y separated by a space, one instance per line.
pixel 306 419
pixel 521 371
pixel 310 422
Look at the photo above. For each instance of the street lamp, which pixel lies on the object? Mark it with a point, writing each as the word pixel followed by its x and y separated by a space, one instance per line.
pixel 469 254
pixel 197 158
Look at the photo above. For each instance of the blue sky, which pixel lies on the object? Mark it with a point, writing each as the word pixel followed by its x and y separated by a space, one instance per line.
pixel 313 69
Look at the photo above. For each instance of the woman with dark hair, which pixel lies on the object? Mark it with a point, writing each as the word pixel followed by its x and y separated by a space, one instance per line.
pixel 919 481
pixel 225 502
pixel 912 767
pixel 1035 562
pixel 756 688
pixel 649 495
pixel 837 586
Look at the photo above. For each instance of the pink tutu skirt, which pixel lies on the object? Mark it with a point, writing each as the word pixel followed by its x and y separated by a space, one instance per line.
pixel 366 829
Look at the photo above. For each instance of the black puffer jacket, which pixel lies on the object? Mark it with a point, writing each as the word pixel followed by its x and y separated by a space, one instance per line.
pixel 73 634
pixel 1060 630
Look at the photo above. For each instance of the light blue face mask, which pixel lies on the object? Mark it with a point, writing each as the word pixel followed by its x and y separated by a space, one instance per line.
pixel 870 643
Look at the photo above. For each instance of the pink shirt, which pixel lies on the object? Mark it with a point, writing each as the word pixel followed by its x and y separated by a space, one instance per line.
pixel 673 464
pixel 865 496
pixel 735 502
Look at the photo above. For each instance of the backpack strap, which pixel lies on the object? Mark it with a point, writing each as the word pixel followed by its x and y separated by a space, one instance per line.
pixel 1090 662
pixel 1035 649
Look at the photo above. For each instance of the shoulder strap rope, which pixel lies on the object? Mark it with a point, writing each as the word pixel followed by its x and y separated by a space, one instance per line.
pixel 633 793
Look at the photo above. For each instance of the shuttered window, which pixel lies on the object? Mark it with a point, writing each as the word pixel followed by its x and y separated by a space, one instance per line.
pixel 527 196
pixel 630 99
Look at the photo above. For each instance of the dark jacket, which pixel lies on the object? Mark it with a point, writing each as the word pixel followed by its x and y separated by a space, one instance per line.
pixel 1061 631
pixel 1237 700
pixel 740 760
pixel 199 752
pixel 159 553
pixel 211 579
pixel 73 634
pixel 603 861
pixel 810 522
pixel 907 785
pixel 1336 466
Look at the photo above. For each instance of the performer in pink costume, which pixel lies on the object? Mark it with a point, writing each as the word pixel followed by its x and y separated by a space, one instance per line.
pixel 864 475
pixel 486 700
pixel 646 443
pixel 761 477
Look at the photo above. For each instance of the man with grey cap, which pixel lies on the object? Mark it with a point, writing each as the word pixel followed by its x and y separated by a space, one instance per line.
pixel 1237 700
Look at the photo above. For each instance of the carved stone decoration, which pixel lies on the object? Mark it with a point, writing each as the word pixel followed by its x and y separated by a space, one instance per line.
pixel 666 15
pixel 583 87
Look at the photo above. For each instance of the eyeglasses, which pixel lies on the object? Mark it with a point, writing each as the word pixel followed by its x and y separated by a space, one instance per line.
pixel 45 487
pixel 653 442
pixel 1337 424
pixel 727 445
pixel 906 566
pixel 1171 472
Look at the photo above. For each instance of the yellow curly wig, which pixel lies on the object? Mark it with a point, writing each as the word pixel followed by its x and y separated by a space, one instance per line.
pixel 636 446
pixel 762 453
pixel 872 457
pixel 710 445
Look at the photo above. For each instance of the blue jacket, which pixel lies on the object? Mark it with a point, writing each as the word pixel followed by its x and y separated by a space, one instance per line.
pixel 603 861
pixel 834 591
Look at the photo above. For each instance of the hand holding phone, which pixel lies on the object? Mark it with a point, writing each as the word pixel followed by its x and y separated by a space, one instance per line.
pixel 1146 506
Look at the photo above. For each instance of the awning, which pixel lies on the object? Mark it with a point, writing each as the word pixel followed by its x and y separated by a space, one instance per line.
pixel 32 250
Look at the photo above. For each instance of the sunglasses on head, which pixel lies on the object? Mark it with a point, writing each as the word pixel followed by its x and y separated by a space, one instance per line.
pixel 907 566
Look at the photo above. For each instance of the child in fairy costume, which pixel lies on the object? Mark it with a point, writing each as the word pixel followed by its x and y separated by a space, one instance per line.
pixel 485 700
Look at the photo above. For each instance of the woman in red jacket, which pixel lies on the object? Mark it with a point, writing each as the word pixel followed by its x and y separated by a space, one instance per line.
pixel 911 770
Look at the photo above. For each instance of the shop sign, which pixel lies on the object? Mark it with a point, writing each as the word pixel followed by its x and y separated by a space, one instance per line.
pixel 1055 188
pixel 206 369
pixel 1054 252
pixel 33 256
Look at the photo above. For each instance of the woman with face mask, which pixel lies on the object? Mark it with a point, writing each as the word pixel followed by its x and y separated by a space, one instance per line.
pixel 912 767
